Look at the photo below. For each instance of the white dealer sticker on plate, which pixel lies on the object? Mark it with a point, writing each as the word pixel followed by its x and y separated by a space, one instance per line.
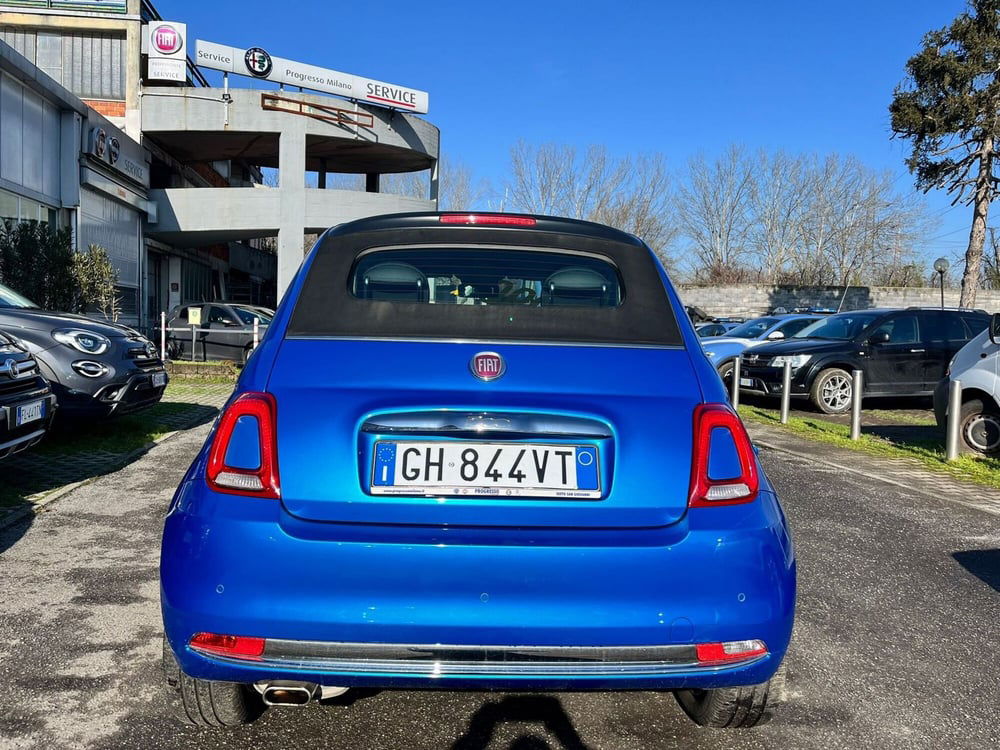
pixel 746 381
pixel 159 379
pixel 485 469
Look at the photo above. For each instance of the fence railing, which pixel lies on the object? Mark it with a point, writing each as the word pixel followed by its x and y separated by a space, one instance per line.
pixel 194 331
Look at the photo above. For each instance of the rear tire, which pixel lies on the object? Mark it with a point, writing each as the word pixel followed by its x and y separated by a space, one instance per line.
pixel 979 427
pixel 734 708
pixel 206 703
pixel 832 390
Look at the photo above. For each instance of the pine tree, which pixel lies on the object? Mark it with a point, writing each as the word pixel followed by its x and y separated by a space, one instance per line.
pixel 949 109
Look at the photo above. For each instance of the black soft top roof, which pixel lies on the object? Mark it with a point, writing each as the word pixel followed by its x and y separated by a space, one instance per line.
pixel 326 306
pixel 432 219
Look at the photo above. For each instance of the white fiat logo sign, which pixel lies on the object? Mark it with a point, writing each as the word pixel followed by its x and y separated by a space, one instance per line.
pixel 487 366
pixel 166 40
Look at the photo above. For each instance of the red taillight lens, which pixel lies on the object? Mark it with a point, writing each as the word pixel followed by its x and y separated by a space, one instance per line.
pixel 730 651
pixel 706 491
pixel 489 219
pixel 262 481
pixel 228 645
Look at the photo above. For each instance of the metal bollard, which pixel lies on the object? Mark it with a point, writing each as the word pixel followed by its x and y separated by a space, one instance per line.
pixel 256 332
pixel 163 336
pixel 786 391
pixel 194 341
pixel 954 415
pixel 857 387
pixel 734 396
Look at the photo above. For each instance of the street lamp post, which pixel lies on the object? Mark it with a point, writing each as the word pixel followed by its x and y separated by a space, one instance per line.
pixel 941 266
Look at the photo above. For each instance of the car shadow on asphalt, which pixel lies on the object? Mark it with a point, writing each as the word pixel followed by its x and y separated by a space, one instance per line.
pixel 984 564
pixel 13 533
pixel 533 709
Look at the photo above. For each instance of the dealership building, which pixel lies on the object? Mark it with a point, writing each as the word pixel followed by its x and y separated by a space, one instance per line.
pixel 199 192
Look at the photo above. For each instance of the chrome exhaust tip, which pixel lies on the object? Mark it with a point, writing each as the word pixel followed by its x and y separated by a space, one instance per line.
pixel 287 692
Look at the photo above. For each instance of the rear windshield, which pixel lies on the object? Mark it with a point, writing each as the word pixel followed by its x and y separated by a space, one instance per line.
pixel 484 284
pixel 486 276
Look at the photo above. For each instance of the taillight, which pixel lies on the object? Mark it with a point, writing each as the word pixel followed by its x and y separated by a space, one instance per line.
pixel 489 219
pixel 243 459
pixel 239 646
pixel 738 482
pixel 730 651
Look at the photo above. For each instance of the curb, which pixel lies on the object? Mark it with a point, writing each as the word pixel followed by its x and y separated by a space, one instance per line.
pixel 33 509
pixel 985 506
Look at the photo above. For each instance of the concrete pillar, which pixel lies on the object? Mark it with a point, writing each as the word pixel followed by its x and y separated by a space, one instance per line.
pixel 372 183
pixel 173 282
pixel 435 186
pixel 321 181
pixel 292 185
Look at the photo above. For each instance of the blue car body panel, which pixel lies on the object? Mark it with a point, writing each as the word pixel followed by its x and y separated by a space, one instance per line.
pixel 330 562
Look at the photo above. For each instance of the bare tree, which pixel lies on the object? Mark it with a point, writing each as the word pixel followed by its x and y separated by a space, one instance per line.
pixel 714 211
pixel 779 204
pixel 631 193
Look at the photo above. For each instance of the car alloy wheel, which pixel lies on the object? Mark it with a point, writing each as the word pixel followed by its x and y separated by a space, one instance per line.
pixel 836 392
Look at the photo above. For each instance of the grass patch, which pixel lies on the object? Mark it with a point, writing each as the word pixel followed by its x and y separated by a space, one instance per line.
pixel 122 435
pixel 930 453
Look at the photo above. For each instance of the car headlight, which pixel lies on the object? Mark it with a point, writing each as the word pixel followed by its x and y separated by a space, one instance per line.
pixel 795 360
pixel 83 341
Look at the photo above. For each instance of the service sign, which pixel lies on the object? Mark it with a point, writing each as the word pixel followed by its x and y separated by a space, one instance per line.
pixel 258 63
pixel 167 56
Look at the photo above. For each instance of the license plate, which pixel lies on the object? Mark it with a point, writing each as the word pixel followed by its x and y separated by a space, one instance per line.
pixel 746 382
pixel 29 413
pixel 159 379
pixel 485 470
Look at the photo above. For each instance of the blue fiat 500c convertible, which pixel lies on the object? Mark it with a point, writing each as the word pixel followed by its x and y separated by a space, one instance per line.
pixel 477 452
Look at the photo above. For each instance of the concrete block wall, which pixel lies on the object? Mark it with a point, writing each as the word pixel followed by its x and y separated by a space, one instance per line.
pixel 758 299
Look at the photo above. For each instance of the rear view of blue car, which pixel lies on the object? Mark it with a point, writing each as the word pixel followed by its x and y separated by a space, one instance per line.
pixel 477 452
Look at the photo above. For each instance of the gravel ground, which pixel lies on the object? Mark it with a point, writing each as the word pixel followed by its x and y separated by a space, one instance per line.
pixel 895 643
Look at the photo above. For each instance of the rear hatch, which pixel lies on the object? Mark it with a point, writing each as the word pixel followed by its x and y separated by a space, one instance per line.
pixel 484 377
pixel 632 406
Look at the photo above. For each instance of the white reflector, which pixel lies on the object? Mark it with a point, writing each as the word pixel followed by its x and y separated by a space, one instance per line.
pixel 239 481
pixel 743 647
pixel 727 491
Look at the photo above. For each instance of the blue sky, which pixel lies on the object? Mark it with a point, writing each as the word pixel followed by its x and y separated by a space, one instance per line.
pixel 637 75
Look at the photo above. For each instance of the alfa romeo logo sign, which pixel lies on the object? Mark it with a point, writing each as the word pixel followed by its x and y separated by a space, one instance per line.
pixel 258 62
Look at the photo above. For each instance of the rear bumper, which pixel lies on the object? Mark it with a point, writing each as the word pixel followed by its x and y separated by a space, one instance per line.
pixel 339 609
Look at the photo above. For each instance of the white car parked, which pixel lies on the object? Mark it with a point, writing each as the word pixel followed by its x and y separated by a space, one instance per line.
pixel 977 367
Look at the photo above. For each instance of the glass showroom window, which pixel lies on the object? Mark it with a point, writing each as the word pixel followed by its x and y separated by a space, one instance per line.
pixel 14 208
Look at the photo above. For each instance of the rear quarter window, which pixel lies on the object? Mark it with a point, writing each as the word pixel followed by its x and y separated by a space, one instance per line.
pixel 484 284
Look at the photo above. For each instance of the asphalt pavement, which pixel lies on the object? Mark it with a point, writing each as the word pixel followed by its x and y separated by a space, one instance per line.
pixel 895 646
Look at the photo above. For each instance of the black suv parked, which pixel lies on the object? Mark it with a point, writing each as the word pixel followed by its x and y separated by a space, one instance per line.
pixel 26 401
pixel 902 352
pixel 96 369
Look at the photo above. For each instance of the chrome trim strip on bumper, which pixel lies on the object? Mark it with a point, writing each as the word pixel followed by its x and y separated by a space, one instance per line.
pixel 445 660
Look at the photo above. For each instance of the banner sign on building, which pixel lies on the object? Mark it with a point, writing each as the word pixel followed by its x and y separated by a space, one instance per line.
pixel 167 54
pixel 256 62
